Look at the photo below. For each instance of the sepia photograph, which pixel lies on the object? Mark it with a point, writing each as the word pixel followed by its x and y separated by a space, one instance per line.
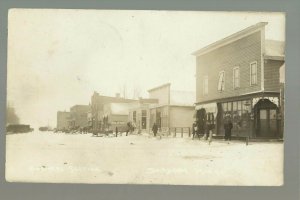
pixel 145 97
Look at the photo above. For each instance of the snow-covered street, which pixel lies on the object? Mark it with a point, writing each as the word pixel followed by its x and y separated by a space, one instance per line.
pixel 140 159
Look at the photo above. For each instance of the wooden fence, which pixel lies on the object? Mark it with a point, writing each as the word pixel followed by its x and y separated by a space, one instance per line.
pixel 178 131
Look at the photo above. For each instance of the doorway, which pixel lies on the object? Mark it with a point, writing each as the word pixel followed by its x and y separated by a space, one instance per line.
pixel 266 123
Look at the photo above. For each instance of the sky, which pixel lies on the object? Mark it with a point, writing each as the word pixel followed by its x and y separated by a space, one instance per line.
pixel 57 58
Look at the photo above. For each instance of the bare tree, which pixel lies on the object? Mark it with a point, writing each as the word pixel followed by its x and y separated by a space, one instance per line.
pixel 136 92
pixel 123 90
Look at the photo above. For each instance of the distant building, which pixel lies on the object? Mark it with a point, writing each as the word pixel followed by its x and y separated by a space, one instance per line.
pixel 239 76
pixel 140 113
pixel 63 118
pixel 174 108
pixel 79 116
pixel 282 97
pixel 116 115
pixel 97 108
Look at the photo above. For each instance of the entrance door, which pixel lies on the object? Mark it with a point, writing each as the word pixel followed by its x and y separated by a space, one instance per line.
pixel 263 123
pixel 158 119
pixel 273 122
pixel 144 121
pixel 267 123
pixel 265 119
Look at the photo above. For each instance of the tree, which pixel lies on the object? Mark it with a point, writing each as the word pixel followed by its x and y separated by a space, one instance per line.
pixel 11 116
pixel 123 90
pixel 136 92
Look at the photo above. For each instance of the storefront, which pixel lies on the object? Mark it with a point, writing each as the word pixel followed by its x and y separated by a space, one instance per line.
pixel 256 116
pixel 140 116
pixel 160 115
pixel 240 115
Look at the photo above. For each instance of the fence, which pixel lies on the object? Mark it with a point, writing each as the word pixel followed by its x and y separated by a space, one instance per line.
pixel 177 131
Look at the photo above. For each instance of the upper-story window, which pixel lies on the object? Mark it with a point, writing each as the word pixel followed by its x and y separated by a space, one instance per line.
pixel 236 77
pixel 253 73
pixel 205 85
pixel 221 83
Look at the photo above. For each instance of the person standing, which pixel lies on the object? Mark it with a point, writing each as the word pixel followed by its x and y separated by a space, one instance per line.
pixel 194 129
pixel 128 128
pixel 154 129
pixel 117 131
pixel 228 126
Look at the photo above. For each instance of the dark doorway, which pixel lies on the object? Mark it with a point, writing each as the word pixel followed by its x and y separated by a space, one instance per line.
pixel 220 129
pixel 266 123
pixel 158 118
pixel 144 119
pixel 201 121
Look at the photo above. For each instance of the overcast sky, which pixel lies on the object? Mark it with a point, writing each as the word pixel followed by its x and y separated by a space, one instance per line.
pixel 58 58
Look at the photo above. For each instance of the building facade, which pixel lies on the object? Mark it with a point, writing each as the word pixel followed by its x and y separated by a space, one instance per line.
pixel 97 108
pixel 116 115
pixel 79 116
pixel 140 113
pixel 63 119
pixel 238 76
pixel 174 108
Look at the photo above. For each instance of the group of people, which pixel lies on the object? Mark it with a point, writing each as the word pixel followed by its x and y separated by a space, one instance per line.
pixel 228 125
pixel 207 127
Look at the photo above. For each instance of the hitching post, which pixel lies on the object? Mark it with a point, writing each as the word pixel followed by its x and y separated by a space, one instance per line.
pixel 182 132
pixel 175 132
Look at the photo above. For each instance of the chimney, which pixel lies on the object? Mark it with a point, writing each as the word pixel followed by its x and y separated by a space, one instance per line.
pixel 118 95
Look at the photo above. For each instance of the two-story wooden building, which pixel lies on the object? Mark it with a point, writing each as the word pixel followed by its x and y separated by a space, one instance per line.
pixel 175 108
pixel 239 76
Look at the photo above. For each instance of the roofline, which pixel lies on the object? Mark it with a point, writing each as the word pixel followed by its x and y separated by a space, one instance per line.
pixel 158 87
pixel 79 105
pixel 280 58
pixel 114 97
pixel 241 97
pixel 178 105
pixel 170 105
pixel 231 38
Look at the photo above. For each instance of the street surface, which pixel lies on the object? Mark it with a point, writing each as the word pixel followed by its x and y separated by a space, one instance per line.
pixel 140 159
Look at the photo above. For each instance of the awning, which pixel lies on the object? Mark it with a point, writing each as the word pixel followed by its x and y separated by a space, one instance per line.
pixel 210 108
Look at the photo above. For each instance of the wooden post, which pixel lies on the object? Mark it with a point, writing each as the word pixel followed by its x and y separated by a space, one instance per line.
pixel 169 131
pixel 189 132
pixel 182 132
pixel 210 137
pixel 175 132
pixel 247 140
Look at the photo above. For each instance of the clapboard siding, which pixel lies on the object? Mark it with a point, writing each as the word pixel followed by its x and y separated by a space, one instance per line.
pixel 238 53
pixel 272 75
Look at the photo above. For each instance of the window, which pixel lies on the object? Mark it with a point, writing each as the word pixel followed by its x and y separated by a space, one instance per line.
pixel 229 106
pixel 134 116
pixel 144 119
pixel 253 73
pixel 236 77
pixel 221 84
pixel 224 105
pixel 205 85
pixel 239 112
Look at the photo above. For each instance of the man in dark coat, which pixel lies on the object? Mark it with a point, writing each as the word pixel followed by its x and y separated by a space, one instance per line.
pixel 128 128
pixel 228 126
pixel 154 129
